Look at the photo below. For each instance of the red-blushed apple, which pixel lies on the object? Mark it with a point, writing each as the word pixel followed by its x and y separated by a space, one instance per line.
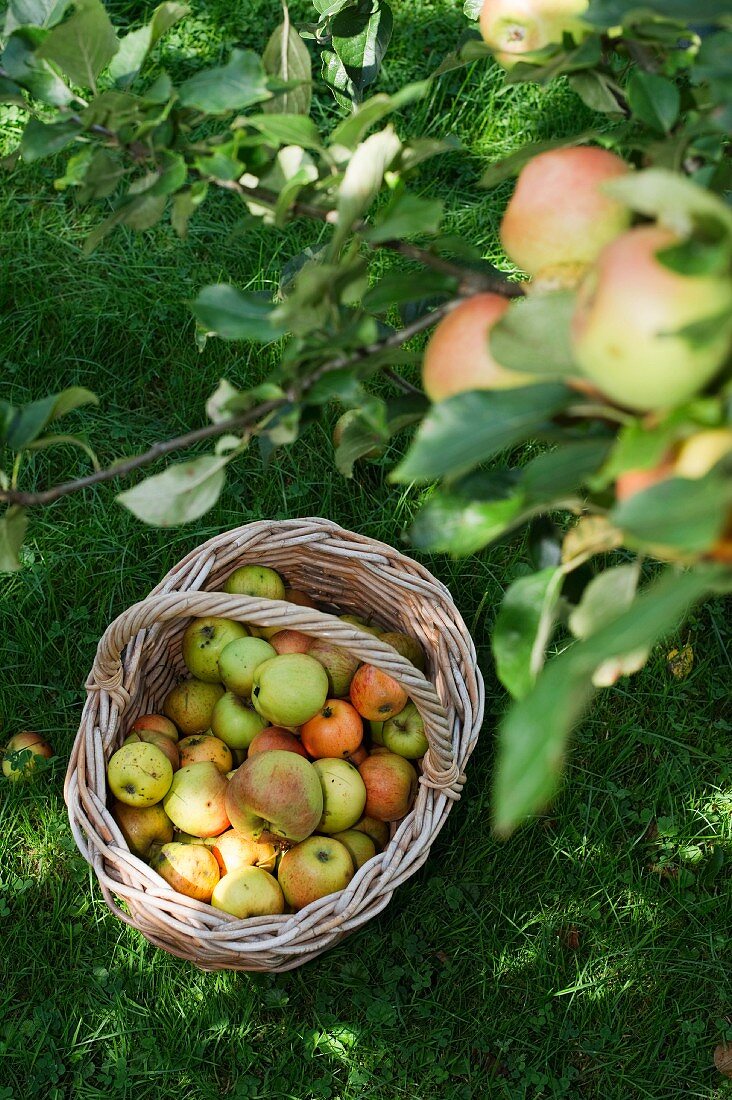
pixel 143 826
pixel 275 795
pixel 408 647
pixel 635 481
pixel 513 28
pixel 196 801
pixel 297 596
pixel 698 454
pixel 376 695
pixel 248 892
pixel 22 753
pixel 344 795
pixel 160 740
pixel 239 660
pixel 313 869
pixel 189 868
pixel 190 705
pixel 290 689
pixel 258 581
pixel 376 829
pixel 404 734
pixel 339 664
pixel 204 746
pixel 275 737
pixel 559 215
pixel 235 721
pixel 626 328
pixel 336 730
pixel 357 758
pixel 458 356
pixel 391 786
pixel 139 774
pixel 290 641
pixel 157 722
pixel 359 844
pixel 204 640
pixel 232 851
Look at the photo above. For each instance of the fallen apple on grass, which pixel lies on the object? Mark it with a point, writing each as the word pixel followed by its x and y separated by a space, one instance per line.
pixel 22 753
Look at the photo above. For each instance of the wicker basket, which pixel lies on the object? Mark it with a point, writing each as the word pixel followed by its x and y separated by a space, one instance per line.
pixel 139 659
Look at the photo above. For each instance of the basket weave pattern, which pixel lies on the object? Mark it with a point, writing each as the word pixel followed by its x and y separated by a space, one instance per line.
pixel 139 659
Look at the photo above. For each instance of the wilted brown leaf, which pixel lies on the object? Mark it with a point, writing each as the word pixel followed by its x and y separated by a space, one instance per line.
pixel 680 662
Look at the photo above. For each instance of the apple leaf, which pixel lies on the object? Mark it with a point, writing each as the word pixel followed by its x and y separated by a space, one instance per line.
pixel 675 201
pixel 654 99
pixel 13 526
pixel 687 515
pixel 606 595
pixel 362 180
pixel 231 87
pixel 83 45
pixel 180 494
pixel 135 46
pixel 236 315
pixel 534 732
pixel 360 37
pixel 533 335
pixel 25 424
pixel 523 628
pixel 286 56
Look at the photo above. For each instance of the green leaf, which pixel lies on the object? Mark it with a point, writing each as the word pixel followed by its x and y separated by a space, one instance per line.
pixel 533 335
pixel 671 198
pixel 11 93
pixel 37 77
pixel 286 129
pixel 83 45
pixel 523 627
pixel 354 128
pixel 597 90
pixel 683 514
pixel 13 526
pixel 185 204
pixel 179 494
pixel 468 429
pixel 334 76
pixel 605 597
pixel 534 732
pixel 231 87
pixel 397 288
pixel 332 7
pixel 555 475
pixel 286 56
pixel 359 439
pixel 27 422
pixel 407 215
pixel 653 99
pixel 360 37
pixel 362 180
pixel 42 139
pixel 135 46
pixel 472 9
pixel 610 13
pixel 34 13
pixel 452 523
pixel 236 315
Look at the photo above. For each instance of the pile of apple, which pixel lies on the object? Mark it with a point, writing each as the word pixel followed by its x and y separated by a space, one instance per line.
pixel 274 771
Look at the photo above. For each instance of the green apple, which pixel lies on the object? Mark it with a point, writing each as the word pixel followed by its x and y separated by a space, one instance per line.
pixel 189 868
pixel 313 869
pixel 344 794
pixel 196 801
pixel 204 641
pixel 627 325
pixel 143 826
pixel 290 690
pixel 190 705
pixel 338 663
pixel 376 829
pixel 22 753
pixel 275 794
pixel 235 721
pixel 239 661
pixel 408 647
pixel 248 892
pixel 404 734
pixel 359 844
pixel 256 580
pixel 161 741
pixel 377 732
pixel 139 774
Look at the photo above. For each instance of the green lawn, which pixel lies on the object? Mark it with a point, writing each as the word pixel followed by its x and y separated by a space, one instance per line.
pixel 587 957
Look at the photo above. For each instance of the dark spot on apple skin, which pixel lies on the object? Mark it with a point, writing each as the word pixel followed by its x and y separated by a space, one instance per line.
pixel 385 708
pixel 323 855
pixel 130 788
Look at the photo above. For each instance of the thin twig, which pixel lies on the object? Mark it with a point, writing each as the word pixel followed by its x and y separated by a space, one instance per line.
pixel 244 420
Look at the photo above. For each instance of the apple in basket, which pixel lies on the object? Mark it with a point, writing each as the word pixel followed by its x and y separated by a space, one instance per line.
pixel 313 869
pixel 139 774
pixel 344 795
pixel 339 664
pixel 275 737
pixel 404 734
pixel 204 640
pixel 239 660
pixel 360 845
pixel 195 802
pixel 391 786
pixel 190 705
pixel 235 721
pixel 143 826
pixel 189 868
pixel 376 695
pixel 248 892
pixel 232 851
pixel 290 689
pixel 258 581
pixel 204 746
pixel 157 723
pixel 275 795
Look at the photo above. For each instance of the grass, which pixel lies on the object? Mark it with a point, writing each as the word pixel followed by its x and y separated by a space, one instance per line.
pixel 587 957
